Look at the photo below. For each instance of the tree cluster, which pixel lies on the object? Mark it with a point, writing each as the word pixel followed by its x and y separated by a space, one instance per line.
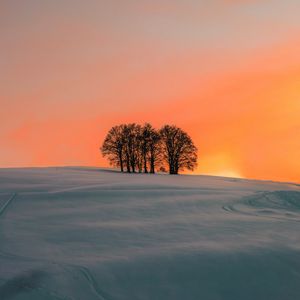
pixel 136 148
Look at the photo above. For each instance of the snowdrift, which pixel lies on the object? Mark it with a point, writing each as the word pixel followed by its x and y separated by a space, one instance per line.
pixel 85 233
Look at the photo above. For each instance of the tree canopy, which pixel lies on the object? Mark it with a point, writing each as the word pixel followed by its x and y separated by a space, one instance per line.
pixel 135 148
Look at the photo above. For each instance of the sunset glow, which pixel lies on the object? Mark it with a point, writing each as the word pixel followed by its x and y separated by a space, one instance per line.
pixel 227 72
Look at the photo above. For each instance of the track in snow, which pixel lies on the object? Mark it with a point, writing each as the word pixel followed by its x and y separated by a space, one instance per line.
pixel 77 234
pixel 5 205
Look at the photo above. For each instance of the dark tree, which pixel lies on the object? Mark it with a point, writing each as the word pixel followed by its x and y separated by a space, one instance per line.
pixel 154 149
pixel 150 147
pixel 114 146
pixel 146 133
pixel 179 151
pixel 138 143
pixel 128 136
pixel 132 138
pixel 136 148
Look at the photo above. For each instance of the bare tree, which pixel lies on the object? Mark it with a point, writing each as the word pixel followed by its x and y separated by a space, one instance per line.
pixel 132 138
pixel 139 148
pixel 146 133
pixel 150 147
pixel 128 136
pixel 138 144
pixel 113 146
pixel 154 149
pixel 179 151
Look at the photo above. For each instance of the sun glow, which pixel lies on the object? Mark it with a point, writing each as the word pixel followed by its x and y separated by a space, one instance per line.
pixel 219 164
pixel 229 173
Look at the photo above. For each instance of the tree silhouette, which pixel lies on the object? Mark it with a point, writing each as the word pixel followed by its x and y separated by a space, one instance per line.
pixel 130 149
pixel 150 147
pixel 179 150
pixel 142 148
pixel 138 141
pixel 154 149
pixel 113 146
pixel 146 133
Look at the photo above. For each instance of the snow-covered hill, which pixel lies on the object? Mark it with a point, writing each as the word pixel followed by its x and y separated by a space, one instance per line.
pixel 85 233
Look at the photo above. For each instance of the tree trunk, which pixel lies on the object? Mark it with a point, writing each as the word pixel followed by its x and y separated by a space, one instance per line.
pixel 176 168
pixel 145 163
pixel 140 166
pixel 152 163
pixel 121 162
pixel 133 166
pixel 152 170
pixel 127 163
pixel 171 166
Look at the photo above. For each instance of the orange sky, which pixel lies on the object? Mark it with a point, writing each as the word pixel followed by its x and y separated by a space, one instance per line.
pixel 228 72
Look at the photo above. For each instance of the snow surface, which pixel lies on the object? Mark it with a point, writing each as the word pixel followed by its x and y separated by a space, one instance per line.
pixel 85 233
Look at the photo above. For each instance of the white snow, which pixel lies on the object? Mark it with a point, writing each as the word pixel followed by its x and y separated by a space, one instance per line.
pixel 85 233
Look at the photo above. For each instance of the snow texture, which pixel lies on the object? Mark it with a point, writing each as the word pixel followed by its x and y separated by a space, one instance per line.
pixel 85 233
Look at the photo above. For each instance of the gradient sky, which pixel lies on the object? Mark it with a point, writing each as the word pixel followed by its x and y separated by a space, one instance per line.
pixel 226 71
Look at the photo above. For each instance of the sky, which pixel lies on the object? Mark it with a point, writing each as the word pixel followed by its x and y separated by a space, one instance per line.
pixel 225 71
